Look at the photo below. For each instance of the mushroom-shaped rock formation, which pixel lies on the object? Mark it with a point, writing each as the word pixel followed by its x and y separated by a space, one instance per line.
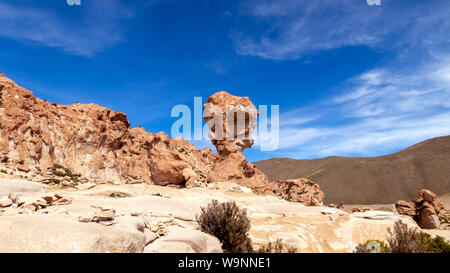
pixel 231 121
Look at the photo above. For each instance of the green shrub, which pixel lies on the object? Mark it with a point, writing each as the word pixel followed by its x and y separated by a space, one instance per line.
pixel 373 246
pixel 409 240
pixel 276 247
pixel 62 171
pixel 229 224
pixel 435 245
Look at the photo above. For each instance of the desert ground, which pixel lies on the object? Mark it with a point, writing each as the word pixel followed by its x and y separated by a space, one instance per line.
pixel 99 217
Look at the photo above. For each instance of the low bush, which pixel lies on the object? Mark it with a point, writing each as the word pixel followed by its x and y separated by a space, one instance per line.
pixel 62 171
pixel 276 247
pixel 436 244
pixel 229 224
pixel 404 239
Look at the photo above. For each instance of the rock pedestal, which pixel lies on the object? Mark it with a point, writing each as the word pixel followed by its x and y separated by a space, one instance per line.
pixel 424 210
pixel 231 121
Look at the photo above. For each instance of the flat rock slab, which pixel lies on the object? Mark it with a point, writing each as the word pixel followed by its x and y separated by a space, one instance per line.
pixel 8 186
pixel 50 234
pixel 181 240
pixel 159 206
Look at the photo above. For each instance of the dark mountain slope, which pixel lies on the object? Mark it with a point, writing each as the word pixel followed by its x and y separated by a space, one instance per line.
pixel 372 180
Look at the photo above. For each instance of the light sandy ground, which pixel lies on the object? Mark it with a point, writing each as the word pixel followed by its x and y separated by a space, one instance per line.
pixel 309 229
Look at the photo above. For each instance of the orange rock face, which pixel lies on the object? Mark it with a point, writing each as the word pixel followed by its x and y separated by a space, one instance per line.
pixel 91 140
pixel 300 190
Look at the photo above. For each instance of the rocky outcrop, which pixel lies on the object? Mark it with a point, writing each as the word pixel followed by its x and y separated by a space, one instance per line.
pixel 83 145
pixel 231 121
pixel 425 210
pixel 300 190
pixel 67 144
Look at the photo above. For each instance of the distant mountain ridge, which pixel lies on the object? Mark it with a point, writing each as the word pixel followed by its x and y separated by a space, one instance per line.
pixel 372 180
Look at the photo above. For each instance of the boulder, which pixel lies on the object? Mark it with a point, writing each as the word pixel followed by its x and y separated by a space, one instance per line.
pixel 50 234
pixel 425 210
pixel 431 198
pixel 427 217
pixel 185 240
pixel 405 208
pixel 299 190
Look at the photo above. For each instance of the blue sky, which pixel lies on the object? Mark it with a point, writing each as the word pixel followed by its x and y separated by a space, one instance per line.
pixel 351 79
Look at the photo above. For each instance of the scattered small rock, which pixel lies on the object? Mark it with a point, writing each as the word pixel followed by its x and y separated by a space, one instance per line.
pixel 331 211
pixel 86 186
pixel 104 215
pixel 29 207
pixel 133 182
pixel 63 201
pixel 101 182
pixel 49 199
pixel 5 202
pixel 84 219
pixel 14 197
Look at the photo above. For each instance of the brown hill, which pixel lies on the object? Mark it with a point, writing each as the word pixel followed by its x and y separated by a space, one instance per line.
pixel 376 180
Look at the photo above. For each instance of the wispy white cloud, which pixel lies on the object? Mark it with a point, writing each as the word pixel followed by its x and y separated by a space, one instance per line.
pixel 376 112
pixel 294 28
pixel 97 28
pixel 405 101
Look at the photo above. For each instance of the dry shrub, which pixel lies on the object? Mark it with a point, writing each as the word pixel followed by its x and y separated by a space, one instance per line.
pixel 405 240
pixel 277 247
pixel 409 240
pixel 229 224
